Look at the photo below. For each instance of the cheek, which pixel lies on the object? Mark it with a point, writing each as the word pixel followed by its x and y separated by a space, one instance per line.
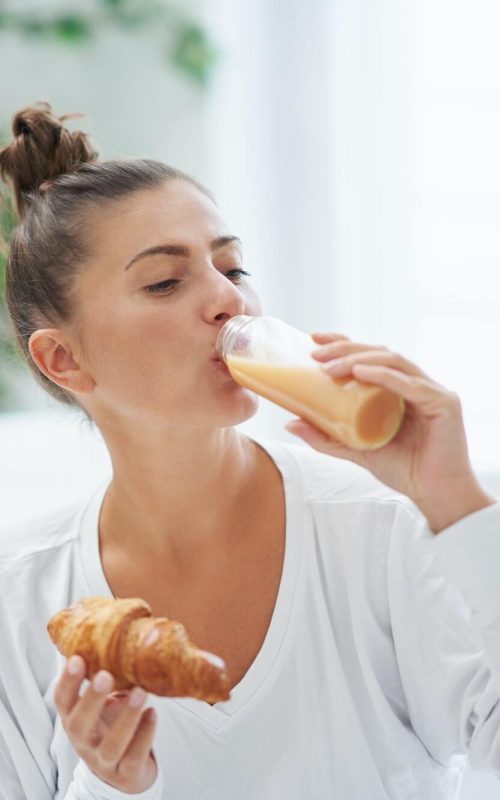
pixel 121 343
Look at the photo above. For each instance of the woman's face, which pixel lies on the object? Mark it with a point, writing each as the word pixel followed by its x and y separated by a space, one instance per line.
pixel 146 323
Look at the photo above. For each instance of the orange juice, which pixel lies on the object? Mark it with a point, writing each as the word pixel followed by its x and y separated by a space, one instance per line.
pixel 361 416
pixel 274 359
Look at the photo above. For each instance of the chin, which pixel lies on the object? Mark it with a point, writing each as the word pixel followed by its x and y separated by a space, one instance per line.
pixel 197 408
pixel 239 412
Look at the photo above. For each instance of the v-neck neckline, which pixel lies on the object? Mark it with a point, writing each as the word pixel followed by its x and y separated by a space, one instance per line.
pixel 217 715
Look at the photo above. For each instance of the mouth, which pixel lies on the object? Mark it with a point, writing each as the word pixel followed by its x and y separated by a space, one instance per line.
pixel 219 364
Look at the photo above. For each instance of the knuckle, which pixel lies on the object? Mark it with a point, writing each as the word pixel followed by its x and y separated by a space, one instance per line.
pixel 58 696
pixel 130 765
pixel 70 725
pixel 105 758
pixel 400 360
pixel 455 399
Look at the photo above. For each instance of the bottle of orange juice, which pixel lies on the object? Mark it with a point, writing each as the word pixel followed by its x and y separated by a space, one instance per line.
pixel 273 359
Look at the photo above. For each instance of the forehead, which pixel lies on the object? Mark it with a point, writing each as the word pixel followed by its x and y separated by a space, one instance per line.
pixel 176 212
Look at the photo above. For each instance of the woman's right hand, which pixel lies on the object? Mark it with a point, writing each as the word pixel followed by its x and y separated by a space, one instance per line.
pixel 111 735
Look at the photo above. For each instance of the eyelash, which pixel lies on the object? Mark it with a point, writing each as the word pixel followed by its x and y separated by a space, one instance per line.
pixel 162 287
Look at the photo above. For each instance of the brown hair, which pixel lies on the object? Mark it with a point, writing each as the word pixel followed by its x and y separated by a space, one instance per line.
pixel 58 181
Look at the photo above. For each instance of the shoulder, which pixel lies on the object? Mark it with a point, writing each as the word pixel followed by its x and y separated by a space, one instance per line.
pixel 348 506
pixel 35 536
pixel 326 479
pixel 40 569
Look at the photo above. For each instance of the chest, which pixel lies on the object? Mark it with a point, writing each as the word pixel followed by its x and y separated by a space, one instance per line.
pixel 229 612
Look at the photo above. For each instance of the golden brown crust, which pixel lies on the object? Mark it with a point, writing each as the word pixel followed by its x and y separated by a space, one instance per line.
pixel 122 636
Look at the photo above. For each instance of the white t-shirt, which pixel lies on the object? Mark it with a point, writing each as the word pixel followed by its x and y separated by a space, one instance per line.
pixel 379 673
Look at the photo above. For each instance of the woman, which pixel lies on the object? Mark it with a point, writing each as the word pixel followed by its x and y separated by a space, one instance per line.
pixel 357 667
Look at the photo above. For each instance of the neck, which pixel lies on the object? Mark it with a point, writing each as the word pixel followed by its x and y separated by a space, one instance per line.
pixel 175 491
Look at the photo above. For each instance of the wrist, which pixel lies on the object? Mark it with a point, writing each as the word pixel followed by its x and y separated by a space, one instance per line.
pixel 448 509
pixel 87 784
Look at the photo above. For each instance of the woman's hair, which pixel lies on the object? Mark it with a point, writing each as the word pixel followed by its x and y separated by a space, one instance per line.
pixel 58 182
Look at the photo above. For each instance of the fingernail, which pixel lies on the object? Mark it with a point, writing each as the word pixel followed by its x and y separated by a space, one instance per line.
pixel 74 665
pixel 137 697
pixel 335 366
pixel 294 427
pixel 102 682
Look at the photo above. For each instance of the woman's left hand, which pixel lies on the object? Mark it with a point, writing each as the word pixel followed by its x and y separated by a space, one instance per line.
pixel 428 458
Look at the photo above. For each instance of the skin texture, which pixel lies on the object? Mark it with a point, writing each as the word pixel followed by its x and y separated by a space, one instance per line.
pixel 183 477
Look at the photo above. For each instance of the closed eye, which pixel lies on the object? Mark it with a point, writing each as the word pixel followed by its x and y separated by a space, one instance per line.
pixel 239 272
pixel 163 287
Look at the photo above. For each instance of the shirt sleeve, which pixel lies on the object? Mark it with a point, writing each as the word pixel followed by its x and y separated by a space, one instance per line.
pixel 21 778
pixel 87 786
pixel 444 602
pixel 11 787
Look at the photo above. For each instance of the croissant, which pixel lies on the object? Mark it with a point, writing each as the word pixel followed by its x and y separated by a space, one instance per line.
pixel 121 636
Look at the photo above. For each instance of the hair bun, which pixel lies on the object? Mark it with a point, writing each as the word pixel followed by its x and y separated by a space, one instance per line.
pixel 41 151
pixel 20 125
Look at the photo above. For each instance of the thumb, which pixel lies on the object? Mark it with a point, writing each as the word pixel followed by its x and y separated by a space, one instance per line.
pixel 320 441
pixel 306 431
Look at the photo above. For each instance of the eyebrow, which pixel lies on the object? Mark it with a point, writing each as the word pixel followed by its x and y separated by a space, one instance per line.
pixel 181 250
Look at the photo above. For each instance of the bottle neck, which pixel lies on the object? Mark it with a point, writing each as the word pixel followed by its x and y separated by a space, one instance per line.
pixel 232 328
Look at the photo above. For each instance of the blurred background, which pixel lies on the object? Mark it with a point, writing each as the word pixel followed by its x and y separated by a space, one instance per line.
pixel 351 144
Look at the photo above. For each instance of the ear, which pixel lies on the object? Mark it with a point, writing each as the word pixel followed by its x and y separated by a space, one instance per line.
pixel 52 353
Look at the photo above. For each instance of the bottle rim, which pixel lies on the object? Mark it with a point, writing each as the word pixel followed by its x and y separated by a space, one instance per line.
pixel 232 326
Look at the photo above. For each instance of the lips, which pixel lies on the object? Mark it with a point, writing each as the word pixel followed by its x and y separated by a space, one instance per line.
pixel 221 365
pixel 215 357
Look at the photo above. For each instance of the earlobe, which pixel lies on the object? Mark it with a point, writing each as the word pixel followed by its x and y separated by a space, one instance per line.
pixel 52 354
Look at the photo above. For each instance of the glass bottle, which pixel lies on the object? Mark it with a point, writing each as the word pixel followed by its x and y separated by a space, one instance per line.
pixel 274 360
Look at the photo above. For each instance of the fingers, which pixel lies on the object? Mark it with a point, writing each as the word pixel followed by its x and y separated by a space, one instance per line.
pixel 120 735
pixel 322 442
pixel 82 720
pixel 324 338
pixel 342 347
pixel 140 746
pixel 344 364
pixel 339 355
pixel 112 707
pixel 66 694
pixel 424 393
pixel 384 368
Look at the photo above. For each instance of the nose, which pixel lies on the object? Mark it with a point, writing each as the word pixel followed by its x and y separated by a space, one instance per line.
pixel 224 300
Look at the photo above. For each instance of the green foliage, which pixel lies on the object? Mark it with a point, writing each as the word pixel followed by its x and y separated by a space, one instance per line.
pixel 8 221
pixel 8 351
pixel 188 44
pixel 195 53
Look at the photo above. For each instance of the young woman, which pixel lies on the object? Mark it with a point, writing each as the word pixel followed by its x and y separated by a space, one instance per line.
pixel 353 596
